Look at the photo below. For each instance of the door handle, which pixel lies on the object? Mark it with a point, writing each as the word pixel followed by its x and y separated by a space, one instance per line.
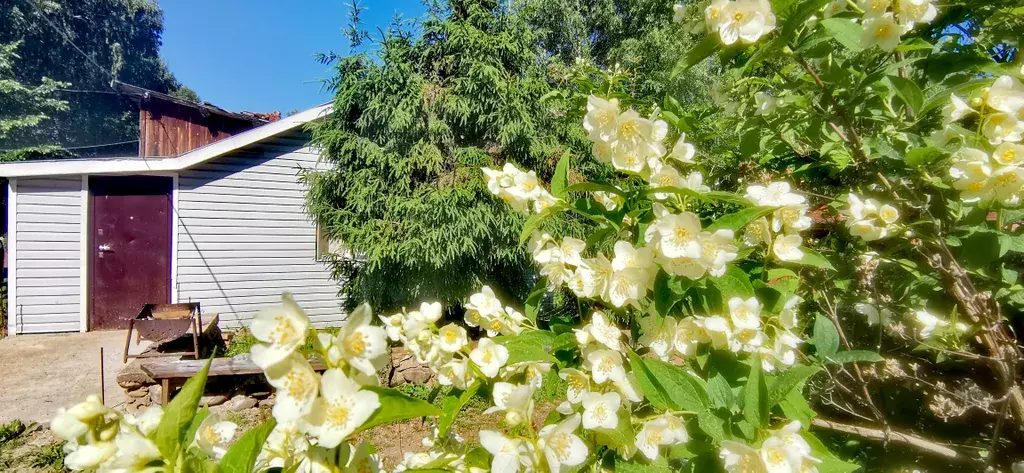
pixel 105 248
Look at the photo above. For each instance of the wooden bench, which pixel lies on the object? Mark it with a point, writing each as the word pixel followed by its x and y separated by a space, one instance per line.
pixel 173 373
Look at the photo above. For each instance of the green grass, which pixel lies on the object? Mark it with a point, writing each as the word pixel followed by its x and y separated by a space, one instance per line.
pixel 50 457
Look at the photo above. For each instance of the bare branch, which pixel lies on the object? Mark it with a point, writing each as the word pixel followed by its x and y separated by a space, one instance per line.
pixel 921 444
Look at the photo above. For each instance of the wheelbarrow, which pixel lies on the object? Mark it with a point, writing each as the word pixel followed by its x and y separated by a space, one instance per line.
pixel 162 323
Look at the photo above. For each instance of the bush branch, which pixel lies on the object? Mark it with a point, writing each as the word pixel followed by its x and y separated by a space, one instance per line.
pixel 918 443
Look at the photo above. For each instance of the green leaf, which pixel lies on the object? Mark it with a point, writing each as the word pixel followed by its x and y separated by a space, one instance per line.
pixel 846 32
pixel 595 187
pixel 453 403
pixel 763 52
pixel 560 181
pixel 720 393
pixel 813 258
pixel 788 380
pixel 710 196
pixel 734 283
pixel 799 16
pixel 711 425
pixel 851 356
pixel 755 396
pixel 914 44
pixel 701 51
pixel 909 92
pixel 737 220
pixel 534 222
pixel 534 299
pixel 534 345
pixel 795 406
pixel 682 389
pixel 829 462
pixel 634 466
pixel 178 415
pixel 667 293
pixel 825 338
pixel 197 421
pixel 654 392
pixel 918 157
pixel 783 280
pixel 395 406
pixel 983 248
pixel 241 457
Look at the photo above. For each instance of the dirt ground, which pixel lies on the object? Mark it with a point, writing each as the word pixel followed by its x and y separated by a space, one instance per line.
pixel 43 372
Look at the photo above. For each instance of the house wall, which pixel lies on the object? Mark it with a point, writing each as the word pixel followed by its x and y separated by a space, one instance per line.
pixel 47 255
pixel 244 236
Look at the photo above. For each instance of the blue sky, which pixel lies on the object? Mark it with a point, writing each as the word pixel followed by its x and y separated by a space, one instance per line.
pixel 257 55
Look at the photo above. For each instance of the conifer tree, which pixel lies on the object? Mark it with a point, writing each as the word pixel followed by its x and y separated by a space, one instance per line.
pixel 413 123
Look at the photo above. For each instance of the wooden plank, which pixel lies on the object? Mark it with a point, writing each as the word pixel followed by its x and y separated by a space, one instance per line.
pixel 183 369
pixel 200 269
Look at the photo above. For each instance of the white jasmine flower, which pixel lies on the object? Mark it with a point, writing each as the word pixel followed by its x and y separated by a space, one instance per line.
pixel 607 199
pixel 489 357
pixel 90 456
pixel 1006 184
pixel 484 302
pixel 658 335
pixel 632 130
pixel 789 318
pixel 714 14
pixel 562 448
pixel 739 458
pixel 629 388
pixel 297 386
pixel 787 247
pixel 602 331
pixel 597 272
pixel 578 384
pixel 606 365
pixel 1000 127
pixel 679 235
pixel 1006 95
pixel 658 432
pixel 601 118
pixel 343 407
pixel 695 182
pixel 888 214
pixel 282 330
pixel 214 436
pixel 688 336
pixel 544 200
pixel 882 31
pixel 1009 154
pixel 765 104
pixel 601 411
pixel 454 373
pixel 451 338
pixel 917 11
pixel 955 110
pixel 393 326
pixel 857 209
pixel 582 283
pixel 629 158
pixel 135 452
pixel 525 186
pixel 757 232
pixel 509 454
pixel 717 249
pixel 683 151
pixel 666 176
pixel 745 20
pixel 791 218
pixel 775 194
pixel 515 401
pixel 928 322
pixel 628 286
pixel 626 256
pixel 745 313
pixel 717 330
pixel 364 346
pixel 868 231
pixel 874 8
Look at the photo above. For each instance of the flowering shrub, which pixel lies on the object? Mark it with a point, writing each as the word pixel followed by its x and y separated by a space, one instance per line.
pixel 715 326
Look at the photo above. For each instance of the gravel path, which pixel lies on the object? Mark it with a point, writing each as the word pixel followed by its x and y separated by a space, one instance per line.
pixel 39 373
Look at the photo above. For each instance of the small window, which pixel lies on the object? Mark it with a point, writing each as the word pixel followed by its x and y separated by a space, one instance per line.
pixel 325 247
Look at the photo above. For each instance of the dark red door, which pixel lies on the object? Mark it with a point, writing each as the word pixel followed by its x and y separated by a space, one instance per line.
pixel 131 247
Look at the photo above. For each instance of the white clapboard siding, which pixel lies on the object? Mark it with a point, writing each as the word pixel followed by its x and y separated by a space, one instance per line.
pixel 48 255
pixel 244 236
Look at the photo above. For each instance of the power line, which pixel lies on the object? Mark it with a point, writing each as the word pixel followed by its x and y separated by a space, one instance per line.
pixel 67 39
pixel 82 147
